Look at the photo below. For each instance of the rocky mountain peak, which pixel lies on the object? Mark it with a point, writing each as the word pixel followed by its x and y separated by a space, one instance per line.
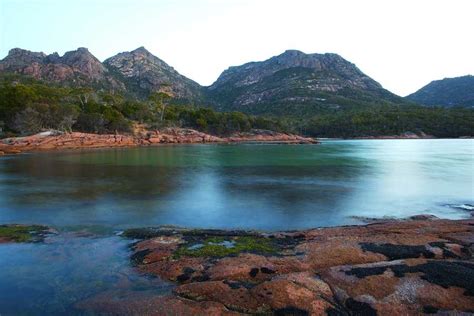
pixel 141 50
pixel 291 53
pixel 293 78
pixel 145 73
pixel 78 66
pixel 19 56
pixel 83 61
pixel 251 73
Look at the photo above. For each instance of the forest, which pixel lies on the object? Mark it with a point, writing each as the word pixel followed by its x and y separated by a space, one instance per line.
pixel 30 107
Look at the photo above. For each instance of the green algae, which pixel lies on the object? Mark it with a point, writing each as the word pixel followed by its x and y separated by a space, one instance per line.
pixel 226 246
pixel 22 233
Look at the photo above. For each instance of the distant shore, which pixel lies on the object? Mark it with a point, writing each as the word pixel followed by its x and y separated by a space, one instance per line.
pixel 59 141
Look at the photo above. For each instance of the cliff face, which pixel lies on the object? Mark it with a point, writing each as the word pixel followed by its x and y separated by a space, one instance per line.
pixel 293 81
pixel 77 67
pixel 448 92
pixel 143 72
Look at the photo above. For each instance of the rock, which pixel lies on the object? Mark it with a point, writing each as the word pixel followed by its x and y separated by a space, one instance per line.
pixel 52 140
pixel 232 295
pixel 244 267
pixel 263 136
pixel 423 217
pixel 285 296
pixel 406 286
pixel 24 233
pixel 78 66
pixel 270 296
pixel 398 267
pixel 111 303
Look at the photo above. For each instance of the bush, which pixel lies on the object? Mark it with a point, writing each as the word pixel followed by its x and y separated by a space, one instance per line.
pixel 28 121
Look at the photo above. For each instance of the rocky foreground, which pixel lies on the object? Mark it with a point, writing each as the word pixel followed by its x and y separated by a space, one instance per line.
pixel 55 140
pixel 414 267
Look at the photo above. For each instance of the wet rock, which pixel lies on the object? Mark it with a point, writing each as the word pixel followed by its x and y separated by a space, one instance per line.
pixel 24 233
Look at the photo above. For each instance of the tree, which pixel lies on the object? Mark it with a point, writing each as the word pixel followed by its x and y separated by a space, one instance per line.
pixel 160 100
pixel 66 117
pixel 83 95
pixel 28 121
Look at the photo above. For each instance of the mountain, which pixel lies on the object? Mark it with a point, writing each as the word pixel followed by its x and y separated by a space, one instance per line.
pixel 143 72
pixel 448 92
pixel 293 83
pixel 297 83
pixel 75 68
pixel 136 73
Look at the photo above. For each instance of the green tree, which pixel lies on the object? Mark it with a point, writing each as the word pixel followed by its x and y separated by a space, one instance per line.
pixel 160 101
pixel 28 121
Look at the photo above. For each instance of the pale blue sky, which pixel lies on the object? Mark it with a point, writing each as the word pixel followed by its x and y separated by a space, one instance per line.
pixel 403 44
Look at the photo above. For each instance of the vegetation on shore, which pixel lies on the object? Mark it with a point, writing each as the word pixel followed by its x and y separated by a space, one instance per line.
pixel 222 247
pixel 28 106
pixel 23 233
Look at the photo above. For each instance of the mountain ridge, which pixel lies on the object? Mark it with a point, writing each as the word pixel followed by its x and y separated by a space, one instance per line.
pixel 296 82
pixel 292 83
pixel 145 73
pixel 455 91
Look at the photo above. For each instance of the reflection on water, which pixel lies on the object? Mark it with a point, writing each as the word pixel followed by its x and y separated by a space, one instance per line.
pixel 269 187
pixel 240 186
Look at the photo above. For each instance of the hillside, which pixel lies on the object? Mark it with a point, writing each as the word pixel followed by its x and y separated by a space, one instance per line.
pixel 295 83
pixel 320 95
pixel 142 72
pixel 135 74
pixel 78 68
pixel 458 91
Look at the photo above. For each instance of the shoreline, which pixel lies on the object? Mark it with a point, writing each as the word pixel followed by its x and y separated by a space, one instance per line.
pixel 340 270
pixel 52 141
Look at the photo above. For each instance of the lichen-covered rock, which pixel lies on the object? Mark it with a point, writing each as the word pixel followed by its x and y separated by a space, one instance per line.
pixel 406 286
pixel 410 267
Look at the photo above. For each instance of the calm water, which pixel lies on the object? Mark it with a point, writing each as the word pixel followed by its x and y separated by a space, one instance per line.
pixel 268 187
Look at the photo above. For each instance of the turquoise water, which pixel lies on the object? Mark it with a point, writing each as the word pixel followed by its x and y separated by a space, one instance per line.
pixel 270 187
pixel 89 196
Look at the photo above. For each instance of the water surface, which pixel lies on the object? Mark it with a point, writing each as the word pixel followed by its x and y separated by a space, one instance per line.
pixel 90 195
pixel 270 187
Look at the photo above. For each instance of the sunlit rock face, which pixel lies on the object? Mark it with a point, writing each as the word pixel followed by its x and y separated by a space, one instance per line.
pixel 137 73
pixel 143 72
pixel 294 79
pixel 78 66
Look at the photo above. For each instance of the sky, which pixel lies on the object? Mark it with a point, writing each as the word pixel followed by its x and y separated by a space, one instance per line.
pixel 402 44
